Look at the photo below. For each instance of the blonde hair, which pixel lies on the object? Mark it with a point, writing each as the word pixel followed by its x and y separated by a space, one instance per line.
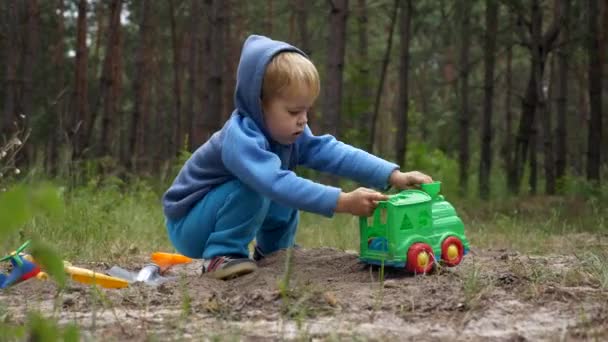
pixel 290 73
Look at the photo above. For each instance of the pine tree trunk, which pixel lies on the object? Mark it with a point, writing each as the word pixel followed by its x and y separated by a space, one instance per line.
pixel 80 125
pixel 192 120
pixel 532 181
pixel 464 116
pixel 508 138
pixel 385 62
pixel 109 84
pixel 302 7
pixel 10 95
pixel 332 99
pixel 178 137
pixel 545 113
pixel 230 61
pixel 562 97
pixel 269 17
pixel 403 107
pixel 141 106
pixel 213 112
pixel 594 140
pixel 540 44
pixel 30 56
pixel 364 85
pixel 485 165
pixel 57 123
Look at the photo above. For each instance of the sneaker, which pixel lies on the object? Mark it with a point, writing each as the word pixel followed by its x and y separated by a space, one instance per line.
pixel 259 255
pixel 226 267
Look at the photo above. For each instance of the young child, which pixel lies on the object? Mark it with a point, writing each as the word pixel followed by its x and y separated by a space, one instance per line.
pixel 240 184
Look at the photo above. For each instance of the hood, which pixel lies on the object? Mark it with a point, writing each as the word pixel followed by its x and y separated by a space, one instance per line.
pixel 255 56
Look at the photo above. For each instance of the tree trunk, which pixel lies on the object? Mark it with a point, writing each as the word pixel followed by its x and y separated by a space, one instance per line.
pixel 508 138
pixel 403 108
pixel 545 112
pixel 192 119
pixel 141 105
pixel 57 122
pixel 562 98
pixel 109 84
pixel 302 8
pixel 268 18
pixel 540 44
pixel 532 181
pixel 231 57
pixel 464 116
pixel 485 165
pixel 594 140
pixel 178 137
pixel 213 111
pixel 385 61
pixel 10 95
pixel 364 84
pixel 332 100
pixel 30 56
pixel 80 125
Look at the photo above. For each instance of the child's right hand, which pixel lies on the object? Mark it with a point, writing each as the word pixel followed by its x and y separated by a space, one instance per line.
pixel 361 202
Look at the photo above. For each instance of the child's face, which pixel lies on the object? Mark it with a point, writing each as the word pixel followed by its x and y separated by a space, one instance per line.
pixel 286 116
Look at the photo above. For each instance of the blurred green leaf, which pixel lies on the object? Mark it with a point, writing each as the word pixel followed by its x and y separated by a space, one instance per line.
pixel 50 261
pixel 71 333
pixel 41 329
pixel 14 210
pixel 46 199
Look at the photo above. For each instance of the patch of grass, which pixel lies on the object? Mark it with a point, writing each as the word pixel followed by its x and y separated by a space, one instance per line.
pixel 474 286
pixel 104 222
pixel 595 264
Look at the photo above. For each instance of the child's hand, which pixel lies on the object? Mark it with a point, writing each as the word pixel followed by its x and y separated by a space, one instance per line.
pixel 361 202
pixel 405 180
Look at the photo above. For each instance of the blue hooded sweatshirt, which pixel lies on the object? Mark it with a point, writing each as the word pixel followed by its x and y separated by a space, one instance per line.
pixel 244 150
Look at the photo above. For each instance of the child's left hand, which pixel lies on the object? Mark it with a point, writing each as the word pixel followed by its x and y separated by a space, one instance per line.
pixel 405 180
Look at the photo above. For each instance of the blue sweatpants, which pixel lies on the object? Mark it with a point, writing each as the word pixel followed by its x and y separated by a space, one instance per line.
pixel 228 218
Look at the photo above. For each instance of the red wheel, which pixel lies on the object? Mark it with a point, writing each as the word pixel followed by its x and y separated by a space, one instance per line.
pixel 452 251
pixel 420 258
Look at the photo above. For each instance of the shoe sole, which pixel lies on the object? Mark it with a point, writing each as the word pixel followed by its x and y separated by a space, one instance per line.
pixel 233 271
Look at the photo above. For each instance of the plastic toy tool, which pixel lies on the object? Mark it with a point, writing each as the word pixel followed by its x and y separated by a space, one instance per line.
pixel 23 269
pixel 413 229
pixel 151 274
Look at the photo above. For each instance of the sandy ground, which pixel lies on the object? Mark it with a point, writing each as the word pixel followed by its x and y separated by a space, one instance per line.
pixel 494 295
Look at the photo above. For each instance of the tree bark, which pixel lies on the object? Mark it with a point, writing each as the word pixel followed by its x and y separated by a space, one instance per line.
pixel 10 95
pixel 30 57
pixel 403 108
pixel 141 105
pixel 385 62
pixel 547 129
pixel 539 44
pixel 485 165
pixel 364 85
pixel 178 136
pixel 562 98
pixel 213 112
pixel 80 126
pixel 109 85
pixel 508 138
pixel 57 123
pixel 192 120
pixel 594 140
pixel 332 99
pixel 464 116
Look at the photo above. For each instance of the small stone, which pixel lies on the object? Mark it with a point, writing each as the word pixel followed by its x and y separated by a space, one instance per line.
pixel 330 298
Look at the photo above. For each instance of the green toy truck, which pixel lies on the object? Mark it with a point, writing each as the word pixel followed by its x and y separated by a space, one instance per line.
pixel 414 229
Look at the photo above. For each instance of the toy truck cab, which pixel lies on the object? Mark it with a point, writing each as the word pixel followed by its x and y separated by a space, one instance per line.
pixel 413 229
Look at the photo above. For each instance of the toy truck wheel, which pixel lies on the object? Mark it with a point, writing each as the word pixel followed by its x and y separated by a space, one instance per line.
pixel 420 258
pixel 452 251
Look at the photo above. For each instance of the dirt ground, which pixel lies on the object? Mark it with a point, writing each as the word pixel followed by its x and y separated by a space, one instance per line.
pixel 494 294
